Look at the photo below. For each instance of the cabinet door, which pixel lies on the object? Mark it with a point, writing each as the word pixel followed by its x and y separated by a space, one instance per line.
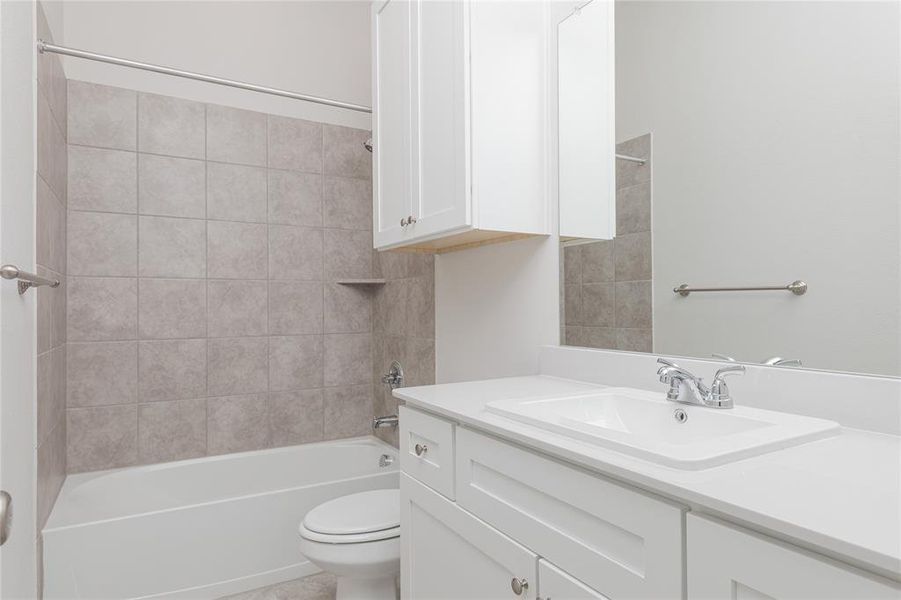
pixel 448 554
pixel 392 121
pixel 554 584
pixel 440 136
pixel 726 562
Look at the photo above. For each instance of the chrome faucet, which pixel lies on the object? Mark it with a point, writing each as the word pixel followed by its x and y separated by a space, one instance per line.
pixel 687 388
pixel 778 361
pixel 386 421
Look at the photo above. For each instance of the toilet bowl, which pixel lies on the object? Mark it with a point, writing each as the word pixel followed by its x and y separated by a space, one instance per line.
pixel 357 538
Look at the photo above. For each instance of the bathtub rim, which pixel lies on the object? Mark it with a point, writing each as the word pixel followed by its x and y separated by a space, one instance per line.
pixel 78 479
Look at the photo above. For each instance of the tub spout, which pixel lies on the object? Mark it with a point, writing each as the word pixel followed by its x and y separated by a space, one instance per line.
pixel 387 421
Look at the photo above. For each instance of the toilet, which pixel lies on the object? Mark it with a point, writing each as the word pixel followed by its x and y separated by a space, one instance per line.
pixel 357 537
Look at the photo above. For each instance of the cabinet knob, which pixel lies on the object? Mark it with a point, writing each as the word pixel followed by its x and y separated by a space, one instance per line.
pixel 403 222
pixel 420 449
pixel 520 586
pixel 411 220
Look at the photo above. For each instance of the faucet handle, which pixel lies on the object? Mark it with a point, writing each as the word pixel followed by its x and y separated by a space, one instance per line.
pixel 719 390
pixel 666 362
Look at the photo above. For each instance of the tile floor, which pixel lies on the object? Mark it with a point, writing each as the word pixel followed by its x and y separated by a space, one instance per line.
pixel 320 586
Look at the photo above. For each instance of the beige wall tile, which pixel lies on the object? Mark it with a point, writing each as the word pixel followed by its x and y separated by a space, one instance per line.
pixel 236 250
pixel 237 308
pixel 598 305
pixel 347 309
pixel 572 304
pixel 171 187
pixel 295 307
pixel 633 256
pixel 50 229
pixel 347 254
pixel 634 340
pixel 170 247
pixel 236 192
pixel 171 369
pixel 347 203
pixel 295 253
pixel 237 423
pixel 295 417
pixel 295 198
pixel 102 373
pixel 172 308
pixel 421 308
pixel 348 411
pixel 235 136
pixel 295 144
pixel 172 430
pixel 101 308
pixel 102 116
pixel 295 362
pixel 343 152
pixel 101 437
pixel 51 391
pixel 572 264
pixel 597 262
pixel 51 147
pixel 630 173
pixel 633 209
pixel 237 366
pixel 633 304
pixel 600 337
pixel 51 471
pixel 101 179
pixel 347 359
pixel 102 244
pixel 171 126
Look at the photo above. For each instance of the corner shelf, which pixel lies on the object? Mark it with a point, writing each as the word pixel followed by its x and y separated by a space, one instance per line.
pixel 366 282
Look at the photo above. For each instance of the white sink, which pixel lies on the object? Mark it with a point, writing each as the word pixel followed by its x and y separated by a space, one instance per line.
pixel 644 424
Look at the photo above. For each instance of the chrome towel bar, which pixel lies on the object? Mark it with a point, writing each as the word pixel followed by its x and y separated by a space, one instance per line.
pixel 26 279
pixel 797 287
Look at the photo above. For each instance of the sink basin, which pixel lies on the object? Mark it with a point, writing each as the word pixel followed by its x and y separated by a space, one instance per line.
pixel 644 424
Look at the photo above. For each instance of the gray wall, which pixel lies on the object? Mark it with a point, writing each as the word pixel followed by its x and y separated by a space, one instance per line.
pixel 50 239
pixel 607 285
pixel 205 247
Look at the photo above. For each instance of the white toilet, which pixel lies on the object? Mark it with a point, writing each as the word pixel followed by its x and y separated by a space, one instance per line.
pixel 357 537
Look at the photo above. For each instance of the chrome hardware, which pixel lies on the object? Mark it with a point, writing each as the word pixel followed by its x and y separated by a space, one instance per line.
pixel 410 220
pixel 634 159
pixel 797 287
pixel 420 449
pixel 680 415
pixel 386 421
pixel 778 361
pixel 519 586
pixel 386 460
pixel 6 516
pixel 394 378
pixel 403 222
pixel 43 47
pixel 26 279
pixel 368 144
pixel 723 357
pixel 687 388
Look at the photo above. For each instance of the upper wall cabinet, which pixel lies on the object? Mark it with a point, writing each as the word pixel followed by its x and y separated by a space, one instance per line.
pixel 459 122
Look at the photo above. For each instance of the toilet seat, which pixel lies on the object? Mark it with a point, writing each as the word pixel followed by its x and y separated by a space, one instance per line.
pixel 357 518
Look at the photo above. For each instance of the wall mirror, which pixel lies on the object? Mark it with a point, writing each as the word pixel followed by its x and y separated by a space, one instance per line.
pixel 752 145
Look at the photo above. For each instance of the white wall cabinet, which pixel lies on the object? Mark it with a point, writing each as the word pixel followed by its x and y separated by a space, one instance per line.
pixel 728 562
pixel 459 122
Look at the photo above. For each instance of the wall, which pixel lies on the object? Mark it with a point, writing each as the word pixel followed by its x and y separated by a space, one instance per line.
pixel 778 124
pixel 204 247
pixel 319 48
pixel 403 326
pixel 50 248
pixel 607 284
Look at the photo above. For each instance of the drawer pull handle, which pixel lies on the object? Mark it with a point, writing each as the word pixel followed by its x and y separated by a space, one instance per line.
pixel 420 449
pixel 520 586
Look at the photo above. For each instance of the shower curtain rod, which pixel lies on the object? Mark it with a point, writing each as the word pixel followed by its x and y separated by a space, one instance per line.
pixel 123 62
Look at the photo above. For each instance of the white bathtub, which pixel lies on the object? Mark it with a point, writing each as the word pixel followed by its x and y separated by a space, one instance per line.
pixel 199 528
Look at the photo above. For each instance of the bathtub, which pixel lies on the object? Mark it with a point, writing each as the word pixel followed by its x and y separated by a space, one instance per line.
pixel 200 528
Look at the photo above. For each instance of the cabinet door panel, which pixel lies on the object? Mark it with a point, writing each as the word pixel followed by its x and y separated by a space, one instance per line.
pixel 554 584
pixel 726 562
pixel 392 120
pixel 447 554
pixel 440 144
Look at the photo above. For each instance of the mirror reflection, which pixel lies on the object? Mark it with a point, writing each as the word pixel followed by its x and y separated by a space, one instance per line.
pixel 757 146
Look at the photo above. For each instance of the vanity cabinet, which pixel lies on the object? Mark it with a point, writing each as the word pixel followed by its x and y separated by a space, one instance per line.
pixel 728 562
pixel 459 123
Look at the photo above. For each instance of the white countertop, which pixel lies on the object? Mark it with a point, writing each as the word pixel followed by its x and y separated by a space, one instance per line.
pixel 840 496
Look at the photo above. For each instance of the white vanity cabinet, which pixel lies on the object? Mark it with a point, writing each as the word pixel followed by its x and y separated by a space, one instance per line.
pixel 728 562
pixel 459 122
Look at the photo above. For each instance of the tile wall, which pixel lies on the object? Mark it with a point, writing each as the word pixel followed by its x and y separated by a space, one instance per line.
pixel 205 249
pixel 607 285
pixel 50 252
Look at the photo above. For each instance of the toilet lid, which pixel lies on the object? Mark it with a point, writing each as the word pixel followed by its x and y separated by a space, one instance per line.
pixel 365 512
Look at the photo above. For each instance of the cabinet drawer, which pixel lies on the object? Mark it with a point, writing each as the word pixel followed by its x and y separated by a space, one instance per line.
pixel 427 450
pixel 554 584
pixel 725 561
pixel 620 542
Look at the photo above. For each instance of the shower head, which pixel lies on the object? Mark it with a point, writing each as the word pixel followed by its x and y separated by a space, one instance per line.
pixel 368 144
